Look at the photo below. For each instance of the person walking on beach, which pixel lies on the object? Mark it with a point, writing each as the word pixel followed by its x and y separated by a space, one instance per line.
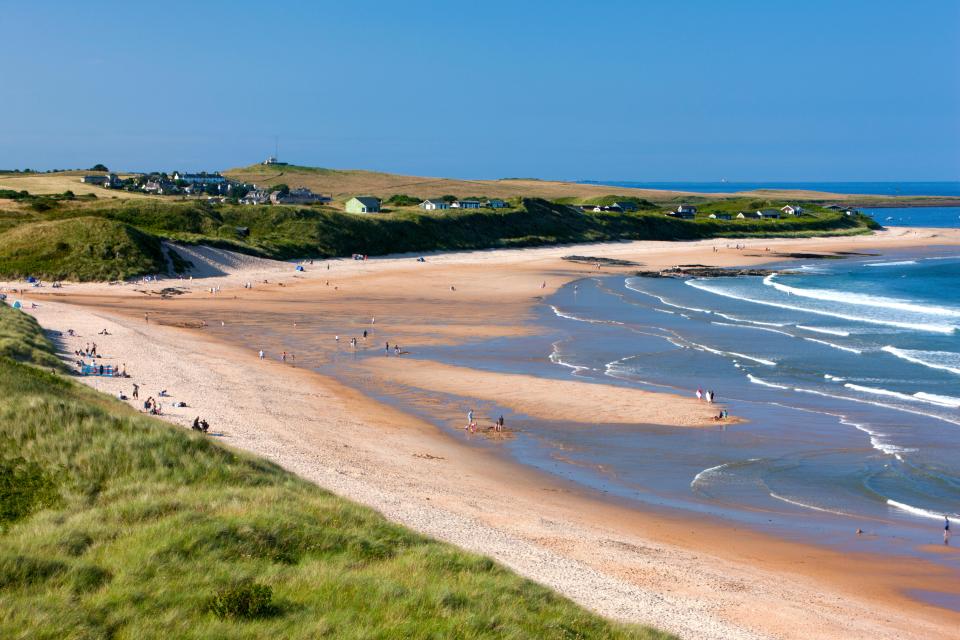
pixel 469 418
pixel 261 354
pixel 283 356
pixel 386 348
pixel 136 391
pixel 699 393
pixel 146 317
pixel 946 530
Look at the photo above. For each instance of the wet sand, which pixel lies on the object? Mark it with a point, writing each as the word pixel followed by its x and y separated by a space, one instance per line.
pixel 698 578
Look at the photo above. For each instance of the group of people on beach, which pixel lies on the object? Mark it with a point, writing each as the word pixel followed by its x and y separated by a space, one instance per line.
pixel 707 395
pixel 200 425
pixel 472 425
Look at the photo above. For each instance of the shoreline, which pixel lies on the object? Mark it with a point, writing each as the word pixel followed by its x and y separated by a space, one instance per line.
pixel 518 508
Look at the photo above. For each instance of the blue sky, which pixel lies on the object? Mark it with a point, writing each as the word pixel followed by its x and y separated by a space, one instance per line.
pixel 693 90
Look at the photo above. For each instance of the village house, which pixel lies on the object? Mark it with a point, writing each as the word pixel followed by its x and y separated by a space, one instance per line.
pixel 792 210
pixel 496 204
pixel 113 181
pixel 257 196
pixel 433 205
pixel 749 215
pixel 721 216
pixel 100 180
pixel 297 196
pixel 160 187
pixel 684 212
pixel 625 206
pixel 768 213
pixel 465 204
pixel 362 204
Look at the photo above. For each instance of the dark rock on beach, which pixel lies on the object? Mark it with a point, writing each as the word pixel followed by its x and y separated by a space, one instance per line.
pixel 608 262
pixel 705 272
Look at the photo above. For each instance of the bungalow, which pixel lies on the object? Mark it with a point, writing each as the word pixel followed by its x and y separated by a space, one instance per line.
pixel 834 207
pixel 792 210
pixel 199 178
pixel 496 204
pixel 113 181
pixel 101 180
pixel 721 216
pixel 466 204
pixel 687 208
pixel 433 205
pixel 297 196
pixel 362 204
pixel 768 213
pixel 684 212
pixel 625 206
pixel 749 215
pixel 160 187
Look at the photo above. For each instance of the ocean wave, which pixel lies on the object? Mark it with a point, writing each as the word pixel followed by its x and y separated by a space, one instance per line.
pixel 765 324
pixel 734 354
pixel 945 360
pixel 943 401
pixel 920 396
pixel 720 467
pixel 835 346
pixel 806 506
pixel 832 332
pixel 663 300
pixel 891 264
pixel 877 404
pixel 861 299
pixel 579 319
pixel 833 378
pixel 877 440
pixel 917 511
pixel 764 383
pixel 916 326
pixel 748 326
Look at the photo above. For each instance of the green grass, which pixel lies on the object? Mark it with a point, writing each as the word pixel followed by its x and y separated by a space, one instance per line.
pixel 117 525
pixel 85 248
pixel 106 240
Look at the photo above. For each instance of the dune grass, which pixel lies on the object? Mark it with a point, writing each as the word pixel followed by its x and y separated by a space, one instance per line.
pixel 117 525
pixel 111 240
pixel 82 248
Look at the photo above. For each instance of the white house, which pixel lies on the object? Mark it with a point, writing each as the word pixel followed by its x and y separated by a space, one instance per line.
pixel 199 178
pixel 792 210
pixel 721 216
pixel 687 208
pixel 466 204
pixel 433 205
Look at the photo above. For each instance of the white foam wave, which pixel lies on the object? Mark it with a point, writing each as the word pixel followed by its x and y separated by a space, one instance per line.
pixel 877 442
pixel 664 301
pixel 891 264
pixel 734 354
pixel 665 311
pixel 756 380
pixel 713 470
pixel 765 324
pixel 945 360
pixel 877 404
pixel 832 332
pixel 943 401
pixel 861 299
pixel 833 378
pixel 747 326
pixel 916 326
pixel 806 506
pixel 917 511
pixel 579 319
pixel 880 392
pixel 834 345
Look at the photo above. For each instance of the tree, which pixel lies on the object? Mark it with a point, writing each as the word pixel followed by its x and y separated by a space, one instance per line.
pixel 99 167
pixel 282 188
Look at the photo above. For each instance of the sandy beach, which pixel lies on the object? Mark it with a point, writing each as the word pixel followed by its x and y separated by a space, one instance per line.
pixel 696 578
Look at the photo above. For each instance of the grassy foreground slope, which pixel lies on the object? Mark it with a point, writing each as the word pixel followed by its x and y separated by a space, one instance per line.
pixel 117 525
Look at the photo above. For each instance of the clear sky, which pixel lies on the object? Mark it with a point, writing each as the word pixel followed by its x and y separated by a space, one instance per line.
pixel 631 90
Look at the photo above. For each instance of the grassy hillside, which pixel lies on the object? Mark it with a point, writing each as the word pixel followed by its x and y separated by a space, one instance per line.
pixel 83 248
pixel 103 241
pixel 117 525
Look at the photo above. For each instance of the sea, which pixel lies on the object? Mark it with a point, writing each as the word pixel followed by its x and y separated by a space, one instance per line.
pixel 944 188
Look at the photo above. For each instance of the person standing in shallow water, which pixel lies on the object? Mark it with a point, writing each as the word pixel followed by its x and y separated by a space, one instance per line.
pixel 946 530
